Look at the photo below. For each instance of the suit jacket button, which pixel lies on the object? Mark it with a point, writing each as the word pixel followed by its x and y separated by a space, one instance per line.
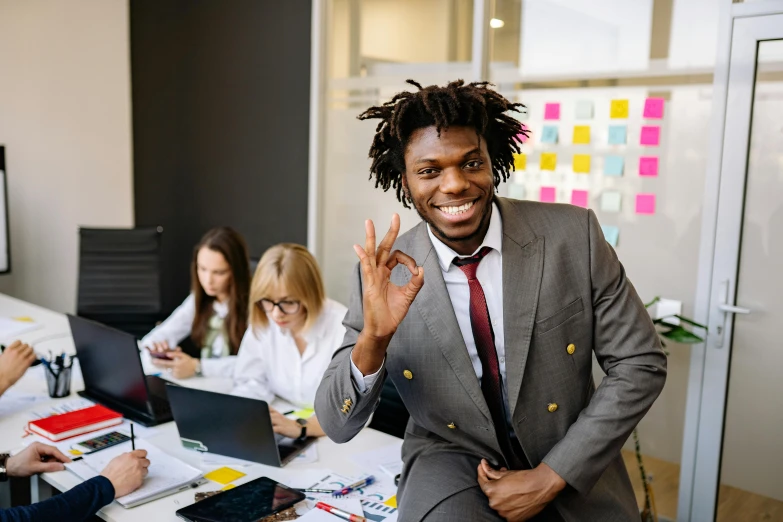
pixel 571 348
pixel 451 426
pixel 345 409
pixel 408 374
pixel 348 402
pixel 552 407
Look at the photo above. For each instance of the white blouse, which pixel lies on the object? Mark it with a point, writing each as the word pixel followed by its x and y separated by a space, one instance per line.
pixel 177 327
pixel 269 363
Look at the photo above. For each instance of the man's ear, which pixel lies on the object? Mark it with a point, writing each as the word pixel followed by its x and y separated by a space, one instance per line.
pixel 405 191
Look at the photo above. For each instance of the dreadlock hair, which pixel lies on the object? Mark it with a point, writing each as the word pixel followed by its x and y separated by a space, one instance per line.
pixel 472 105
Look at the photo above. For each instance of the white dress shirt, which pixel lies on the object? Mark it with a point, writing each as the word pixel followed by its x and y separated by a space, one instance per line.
pixel 177 327
pixel 269 363
pixel 490 275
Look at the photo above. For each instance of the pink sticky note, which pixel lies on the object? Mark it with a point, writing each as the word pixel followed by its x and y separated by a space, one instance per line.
pixel 653 108
pixel 579 198
pixel 648 166
pixel 651 135
pixel 552 111
pixel 645 203
pixel 521 138
pixel 547 194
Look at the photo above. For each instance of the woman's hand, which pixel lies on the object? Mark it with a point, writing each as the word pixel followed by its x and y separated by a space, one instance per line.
pixel 283 425
pixel 180 366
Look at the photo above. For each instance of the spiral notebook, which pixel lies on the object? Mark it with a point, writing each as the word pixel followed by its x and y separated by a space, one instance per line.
pixel 167 475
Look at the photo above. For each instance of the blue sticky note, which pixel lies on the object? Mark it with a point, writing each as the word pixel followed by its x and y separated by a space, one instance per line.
pixel 549 134
pixel 618 134
pixel 613 166
pixel 611 234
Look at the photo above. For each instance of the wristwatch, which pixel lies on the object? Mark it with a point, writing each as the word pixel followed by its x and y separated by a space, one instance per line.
pixel 198 368
pixel 3 469
pixel 302 436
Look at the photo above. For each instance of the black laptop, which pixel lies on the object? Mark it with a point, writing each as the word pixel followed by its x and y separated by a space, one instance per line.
pixel 228 425
pixel 113 375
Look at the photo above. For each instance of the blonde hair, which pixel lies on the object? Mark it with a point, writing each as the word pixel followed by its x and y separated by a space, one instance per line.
pixel 295 267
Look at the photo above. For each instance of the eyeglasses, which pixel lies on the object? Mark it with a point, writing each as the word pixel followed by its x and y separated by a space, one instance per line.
pixel 287 307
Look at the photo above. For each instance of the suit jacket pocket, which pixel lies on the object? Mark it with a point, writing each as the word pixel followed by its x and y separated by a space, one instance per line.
pixel 559 317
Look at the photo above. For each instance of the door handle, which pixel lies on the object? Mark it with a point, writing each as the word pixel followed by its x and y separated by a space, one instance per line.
pixel 726 309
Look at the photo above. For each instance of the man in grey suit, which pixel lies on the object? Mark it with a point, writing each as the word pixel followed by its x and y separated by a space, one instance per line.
pixel 491 351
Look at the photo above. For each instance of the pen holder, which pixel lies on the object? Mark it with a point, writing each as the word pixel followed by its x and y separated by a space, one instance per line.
pixel 58 382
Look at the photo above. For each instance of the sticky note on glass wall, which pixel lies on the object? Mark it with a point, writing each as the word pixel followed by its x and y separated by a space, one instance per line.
pixel 549 134
pixel 581 134
pixel 610 201
pixel 552 111
pixel 618 109
pixel 582 163
pixel 522 137
pixel 548 161
pixel 611 234
pixel 651 135
pixel 648 166
pixel 579 198
pixel 613 165
pixel 520 162
pixel 653 108
pixel 617 134
pixel 516 191
pixel 645 204
pixel 547 194
pixel 584 110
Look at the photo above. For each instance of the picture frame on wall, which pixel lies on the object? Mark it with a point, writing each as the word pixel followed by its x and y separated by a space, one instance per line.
pixel 5 236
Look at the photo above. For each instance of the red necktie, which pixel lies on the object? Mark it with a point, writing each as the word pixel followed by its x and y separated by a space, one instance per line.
pixel 484 336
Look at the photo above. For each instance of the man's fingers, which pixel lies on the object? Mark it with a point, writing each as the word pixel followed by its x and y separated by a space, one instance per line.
pixel 50 467
pixel 14 345
pixel 369 240
pixel 51 451
pixel 483 481
pixel 368 270
pixel 145 463
pixel 139 453
pixel 384 249
pixel 397 257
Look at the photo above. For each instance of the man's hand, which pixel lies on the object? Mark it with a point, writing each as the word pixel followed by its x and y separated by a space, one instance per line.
pixel 180 366
pixel 519 495
pixel 36 458
pixel 14 361
pixel 126 472
pixel 385 305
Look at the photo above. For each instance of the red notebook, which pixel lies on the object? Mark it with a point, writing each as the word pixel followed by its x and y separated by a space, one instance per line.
pixel 71 424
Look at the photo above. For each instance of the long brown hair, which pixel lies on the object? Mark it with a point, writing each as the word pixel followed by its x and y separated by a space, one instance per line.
pixel 230 243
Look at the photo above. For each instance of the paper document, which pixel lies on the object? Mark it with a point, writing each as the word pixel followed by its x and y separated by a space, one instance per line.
pixel 386 459
pixel 10 328
pixel 167 474
pixel 13 401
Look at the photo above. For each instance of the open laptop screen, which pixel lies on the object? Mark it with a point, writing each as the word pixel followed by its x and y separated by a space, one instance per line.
pixel 110 363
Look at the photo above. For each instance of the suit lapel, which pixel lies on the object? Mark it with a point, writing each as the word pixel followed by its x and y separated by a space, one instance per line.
pixel 434 305
pixel 523 265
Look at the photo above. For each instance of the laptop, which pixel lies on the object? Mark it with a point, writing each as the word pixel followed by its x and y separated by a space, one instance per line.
pixel 233 426
pixel 113 375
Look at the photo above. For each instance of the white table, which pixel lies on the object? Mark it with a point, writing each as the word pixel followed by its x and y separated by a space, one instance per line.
pixel 331 456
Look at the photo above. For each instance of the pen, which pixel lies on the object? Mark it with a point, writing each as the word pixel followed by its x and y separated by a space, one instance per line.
pixel 133 439
pixel 314 490
pixel 288 413
pixel 340 513
pixel 353 487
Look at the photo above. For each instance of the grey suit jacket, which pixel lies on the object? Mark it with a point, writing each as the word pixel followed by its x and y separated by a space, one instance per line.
pixel 562 285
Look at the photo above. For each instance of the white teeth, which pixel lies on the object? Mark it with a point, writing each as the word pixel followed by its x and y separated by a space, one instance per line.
pixel 457 210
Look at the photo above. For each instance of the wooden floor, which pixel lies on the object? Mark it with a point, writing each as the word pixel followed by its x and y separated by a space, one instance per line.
pixel 734 505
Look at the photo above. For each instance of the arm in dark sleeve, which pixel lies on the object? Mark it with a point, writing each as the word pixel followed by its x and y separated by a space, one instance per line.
pixel 341 421
pixel 629 351
pixel 76 505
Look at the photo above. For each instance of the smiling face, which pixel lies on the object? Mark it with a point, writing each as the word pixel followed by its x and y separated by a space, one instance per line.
pixel 450 182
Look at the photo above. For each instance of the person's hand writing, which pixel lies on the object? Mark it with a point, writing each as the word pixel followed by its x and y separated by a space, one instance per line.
pixel 384 305
pixel 14 361
pixel 36 458
pixel 283 425
pixel 519 495
pixel 126 472
pixel 181 365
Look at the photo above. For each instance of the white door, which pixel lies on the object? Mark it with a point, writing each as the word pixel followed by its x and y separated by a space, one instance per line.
pixel 739 451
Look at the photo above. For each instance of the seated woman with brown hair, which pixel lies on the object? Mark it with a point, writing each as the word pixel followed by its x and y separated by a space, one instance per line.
pixel 294 331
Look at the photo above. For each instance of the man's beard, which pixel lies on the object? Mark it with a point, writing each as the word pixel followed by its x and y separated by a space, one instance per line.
pixel 442 235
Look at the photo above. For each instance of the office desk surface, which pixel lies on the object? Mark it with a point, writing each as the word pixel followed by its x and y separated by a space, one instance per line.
pixel 331 456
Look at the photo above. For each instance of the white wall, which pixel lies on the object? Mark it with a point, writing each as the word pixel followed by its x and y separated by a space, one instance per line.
pixel 66 124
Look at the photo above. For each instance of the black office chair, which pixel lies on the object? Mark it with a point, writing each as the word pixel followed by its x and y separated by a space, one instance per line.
pixel 119 277
pixel 391 416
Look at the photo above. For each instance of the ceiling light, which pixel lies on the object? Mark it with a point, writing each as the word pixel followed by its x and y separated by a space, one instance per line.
pixel 496 23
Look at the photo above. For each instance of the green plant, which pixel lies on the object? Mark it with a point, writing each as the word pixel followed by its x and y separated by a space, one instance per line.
pixel 676 333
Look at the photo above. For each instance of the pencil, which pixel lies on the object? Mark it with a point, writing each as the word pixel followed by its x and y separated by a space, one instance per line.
pixel 133 439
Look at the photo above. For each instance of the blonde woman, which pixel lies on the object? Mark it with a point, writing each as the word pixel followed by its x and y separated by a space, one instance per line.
pixel 294 330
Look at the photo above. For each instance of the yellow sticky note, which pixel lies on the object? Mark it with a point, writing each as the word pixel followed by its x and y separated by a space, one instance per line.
pixel 227 487
pixel 520 161
pixel 224 475
pixel 391 502
pixel 304 413
pixel 24 319
pixel 581 134
pixel 548 161
pixel 619 109
pixel 582 163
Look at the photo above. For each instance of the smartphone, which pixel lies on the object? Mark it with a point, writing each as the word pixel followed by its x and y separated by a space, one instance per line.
pixel 159 355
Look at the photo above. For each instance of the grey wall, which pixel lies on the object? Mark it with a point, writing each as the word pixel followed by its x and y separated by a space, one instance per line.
pixel 220 123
